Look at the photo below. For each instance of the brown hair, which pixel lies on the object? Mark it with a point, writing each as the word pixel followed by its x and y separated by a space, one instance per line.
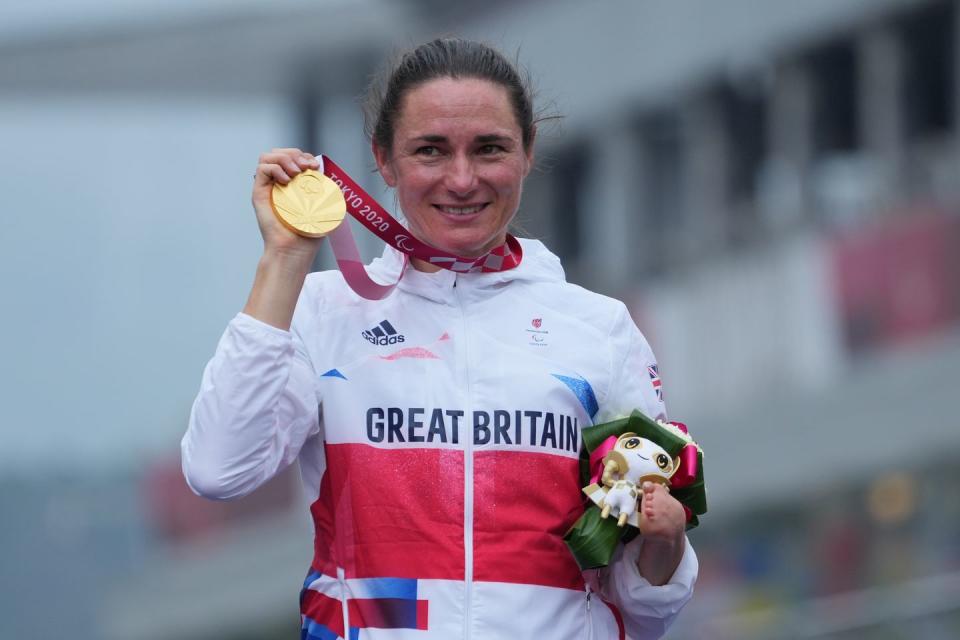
pixel 444 58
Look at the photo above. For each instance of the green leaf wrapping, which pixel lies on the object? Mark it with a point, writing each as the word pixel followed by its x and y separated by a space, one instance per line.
pixel 593 539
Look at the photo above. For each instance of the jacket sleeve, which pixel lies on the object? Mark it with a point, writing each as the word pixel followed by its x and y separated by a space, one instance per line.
pixel 648 611
pixel 256 407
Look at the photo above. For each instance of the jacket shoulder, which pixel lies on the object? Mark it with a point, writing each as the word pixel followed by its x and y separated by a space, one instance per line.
pixel 327 288
pixel 322 292
pixel 598 310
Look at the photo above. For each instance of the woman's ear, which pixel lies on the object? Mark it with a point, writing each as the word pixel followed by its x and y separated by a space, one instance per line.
pixel 384 165
pixel 529 150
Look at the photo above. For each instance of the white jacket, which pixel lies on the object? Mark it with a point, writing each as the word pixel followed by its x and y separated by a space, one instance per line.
pixel 437 433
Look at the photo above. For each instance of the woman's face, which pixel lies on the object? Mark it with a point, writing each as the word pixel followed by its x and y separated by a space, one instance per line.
pixel 457 164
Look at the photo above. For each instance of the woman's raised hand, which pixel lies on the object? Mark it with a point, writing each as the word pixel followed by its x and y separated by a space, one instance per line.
pixel 287 257
pixel 280 166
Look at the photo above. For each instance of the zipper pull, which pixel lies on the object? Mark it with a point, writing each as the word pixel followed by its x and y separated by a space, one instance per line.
pixel 589 595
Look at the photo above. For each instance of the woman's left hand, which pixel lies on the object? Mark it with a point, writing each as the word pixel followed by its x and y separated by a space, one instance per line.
pixel 662 524
pixel 663 517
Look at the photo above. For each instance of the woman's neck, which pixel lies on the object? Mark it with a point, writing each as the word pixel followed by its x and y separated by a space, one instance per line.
pixel 423 265
pixel 429 267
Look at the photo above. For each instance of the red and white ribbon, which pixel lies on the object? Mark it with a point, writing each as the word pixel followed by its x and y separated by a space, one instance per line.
pixel 375 218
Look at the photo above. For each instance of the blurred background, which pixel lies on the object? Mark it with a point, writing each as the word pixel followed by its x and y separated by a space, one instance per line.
pixel 773 187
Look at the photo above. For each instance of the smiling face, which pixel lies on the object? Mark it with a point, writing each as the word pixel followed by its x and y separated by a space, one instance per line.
pixel 457 164
pixel 644 456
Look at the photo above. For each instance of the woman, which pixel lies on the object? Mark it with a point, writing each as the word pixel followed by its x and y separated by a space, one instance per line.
pixel 442 461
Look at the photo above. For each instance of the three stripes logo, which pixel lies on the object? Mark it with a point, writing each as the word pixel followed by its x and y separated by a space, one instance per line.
pixel 383 334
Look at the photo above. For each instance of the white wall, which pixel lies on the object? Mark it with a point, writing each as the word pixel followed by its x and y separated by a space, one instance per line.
pixel 748 325
pixel 128 242
pixel 589 56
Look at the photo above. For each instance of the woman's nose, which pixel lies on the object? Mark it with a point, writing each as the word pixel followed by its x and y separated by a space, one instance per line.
pixel 461 176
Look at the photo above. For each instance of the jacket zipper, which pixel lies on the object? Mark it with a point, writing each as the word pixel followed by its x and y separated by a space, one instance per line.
pixel 467 477
pixel 589 615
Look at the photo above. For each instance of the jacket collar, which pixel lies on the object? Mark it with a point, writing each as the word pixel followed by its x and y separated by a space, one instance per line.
pixel 538 264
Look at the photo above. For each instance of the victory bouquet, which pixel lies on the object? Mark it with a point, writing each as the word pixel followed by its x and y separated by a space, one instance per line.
pixel 616 459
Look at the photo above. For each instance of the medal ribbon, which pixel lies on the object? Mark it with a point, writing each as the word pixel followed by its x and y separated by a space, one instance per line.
pixel 375 218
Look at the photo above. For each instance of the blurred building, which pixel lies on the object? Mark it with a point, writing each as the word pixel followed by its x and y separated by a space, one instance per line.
pixel 774 188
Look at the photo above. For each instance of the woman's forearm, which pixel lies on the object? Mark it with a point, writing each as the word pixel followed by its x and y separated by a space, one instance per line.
pixel 276 287
pixel 659 559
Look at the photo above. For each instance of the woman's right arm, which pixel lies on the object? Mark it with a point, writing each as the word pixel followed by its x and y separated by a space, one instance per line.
pixel 287 257
pixel 257 402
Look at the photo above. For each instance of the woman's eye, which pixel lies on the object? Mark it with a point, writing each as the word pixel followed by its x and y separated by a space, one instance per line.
pixel 489 149
pixel 428 151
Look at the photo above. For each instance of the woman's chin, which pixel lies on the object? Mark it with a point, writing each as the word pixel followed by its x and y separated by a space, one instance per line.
pixel 466 245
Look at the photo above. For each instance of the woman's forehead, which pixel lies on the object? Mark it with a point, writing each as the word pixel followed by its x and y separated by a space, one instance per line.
pixel 449 106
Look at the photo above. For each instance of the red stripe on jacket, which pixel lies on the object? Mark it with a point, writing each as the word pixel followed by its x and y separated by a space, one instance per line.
pixel 523 504
pixel 390 513
pixel 399 513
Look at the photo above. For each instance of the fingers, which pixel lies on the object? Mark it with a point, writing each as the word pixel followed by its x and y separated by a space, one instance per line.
pixel 291 158
pixel 267 173
pixel 646 498
pixel 653 494
pixel 663 515
pixel 282 165
pixel 651 489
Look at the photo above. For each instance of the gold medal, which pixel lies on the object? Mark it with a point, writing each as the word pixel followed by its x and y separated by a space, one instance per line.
pixel 310 205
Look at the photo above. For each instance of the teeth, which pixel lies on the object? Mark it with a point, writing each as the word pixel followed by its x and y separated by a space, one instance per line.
pixel 461 211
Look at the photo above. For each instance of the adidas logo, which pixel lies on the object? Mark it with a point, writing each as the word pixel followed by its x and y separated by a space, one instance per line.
pixel 383 334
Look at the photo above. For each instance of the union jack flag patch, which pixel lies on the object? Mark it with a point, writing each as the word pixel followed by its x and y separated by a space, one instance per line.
pixel 655 380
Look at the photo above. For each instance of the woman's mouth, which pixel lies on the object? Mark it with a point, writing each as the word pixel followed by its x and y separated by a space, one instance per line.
pixel 460 210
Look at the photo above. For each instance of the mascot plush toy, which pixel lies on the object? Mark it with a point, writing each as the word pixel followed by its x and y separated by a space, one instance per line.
pixel 633 461
pixel 617 457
